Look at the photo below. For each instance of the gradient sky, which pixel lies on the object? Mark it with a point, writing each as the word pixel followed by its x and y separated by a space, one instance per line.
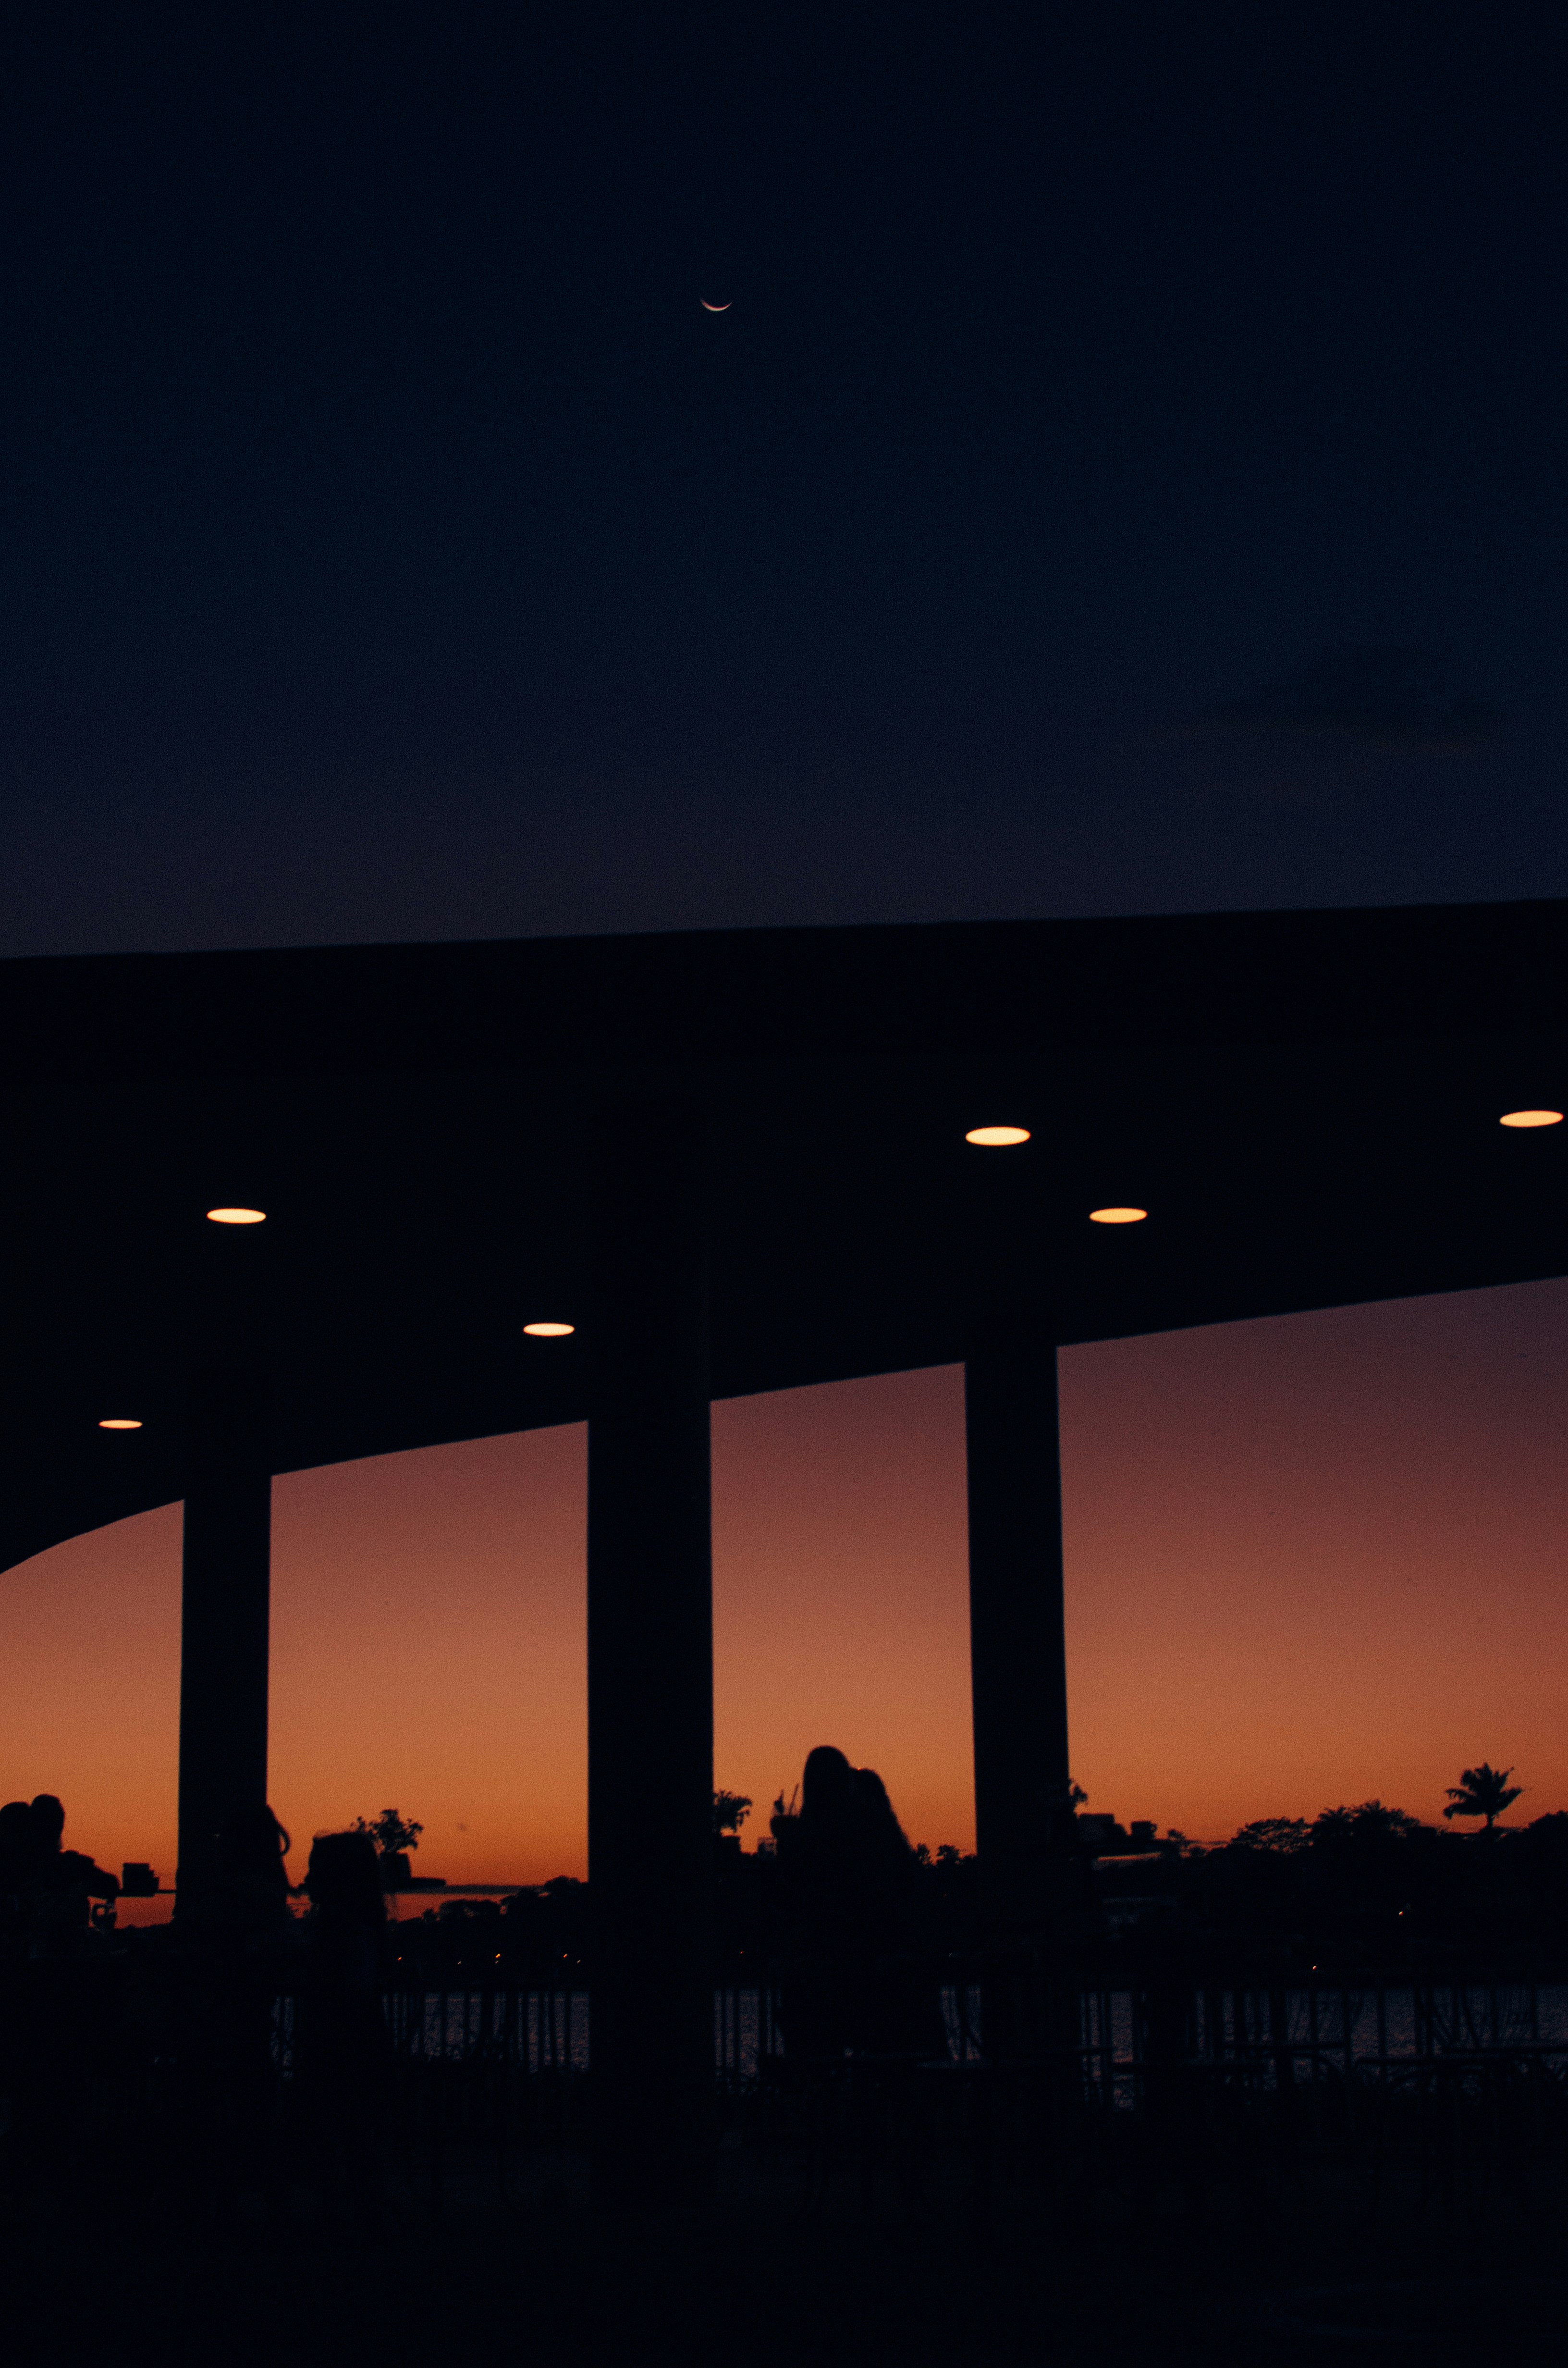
pixel 1310 1560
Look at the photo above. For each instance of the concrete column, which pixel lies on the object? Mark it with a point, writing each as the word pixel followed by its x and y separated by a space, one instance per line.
pixel 651 1660
pixel 224 1609
pixel 1017 1649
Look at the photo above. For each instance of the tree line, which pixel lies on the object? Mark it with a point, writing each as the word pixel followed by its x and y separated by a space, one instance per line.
pixel 1366 1884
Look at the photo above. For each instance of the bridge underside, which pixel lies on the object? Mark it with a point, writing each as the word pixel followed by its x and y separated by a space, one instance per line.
pixel 1306 1105
pixel 732 1164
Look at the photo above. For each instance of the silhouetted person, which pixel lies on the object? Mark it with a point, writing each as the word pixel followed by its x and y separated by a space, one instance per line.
pixel 235 1936
pixel 58 2014
pixel 898 2008
pixel 18 1851
pixel 824 1854
pixel 250 1878
pixel 341 2045
pixel 883 1838
pixel 61 1885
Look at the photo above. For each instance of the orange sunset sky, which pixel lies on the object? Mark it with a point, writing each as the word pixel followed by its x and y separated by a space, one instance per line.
pixel 1309 1560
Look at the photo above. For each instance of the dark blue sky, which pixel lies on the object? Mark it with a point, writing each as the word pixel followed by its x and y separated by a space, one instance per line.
pixel 1129 477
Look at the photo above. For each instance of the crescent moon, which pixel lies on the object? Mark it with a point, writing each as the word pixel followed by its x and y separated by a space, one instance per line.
pixel 714 308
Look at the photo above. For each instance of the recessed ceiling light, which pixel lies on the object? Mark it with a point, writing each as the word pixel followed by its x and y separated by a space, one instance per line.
pixel 236 1216
pixel 1531 1118
pixel 997 1138
pixel 119 1422
pixel 1116 1216
pixel 549 1331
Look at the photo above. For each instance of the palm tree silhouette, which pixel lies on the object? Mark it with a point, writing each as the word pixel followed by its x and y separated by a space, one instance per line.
pixel 1482 1792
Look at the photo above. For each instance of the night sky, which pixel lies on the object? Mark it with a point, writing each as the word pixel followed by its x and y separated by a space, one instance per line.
pixel 1129 477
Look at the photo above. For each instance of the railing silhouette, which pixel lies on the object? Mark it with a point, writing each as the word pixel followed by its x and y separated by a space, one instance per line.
pixel 1431 2092
pixel 1432 2087
pixel 1345 2027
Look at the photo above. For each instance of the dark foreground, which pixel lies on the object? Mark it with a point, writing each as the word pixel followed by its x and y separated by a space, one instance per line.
pixel 855 2253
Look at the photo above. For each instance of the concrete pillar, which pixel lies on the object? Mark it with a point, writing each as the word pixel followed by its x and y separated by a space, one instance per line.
pixel 651 1660
pixel 1017 1649
pixel 224 1609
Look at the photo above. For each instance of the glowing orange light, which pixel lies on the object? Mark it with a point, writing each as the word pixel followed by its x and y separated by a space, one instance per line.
pixel 119 1422
pixel 1116 1216
pixel 1531 1118
pixel 236 1216
pixel 997 1137
pixel 549 1331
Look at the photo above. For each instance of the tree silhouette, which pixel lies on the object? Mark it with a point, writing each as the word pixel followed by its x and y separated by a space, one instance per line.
pixel 1285 1835
pixel 1482 1792
pixel 1367 1822
pixel 730 1811
pixel 390 1832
